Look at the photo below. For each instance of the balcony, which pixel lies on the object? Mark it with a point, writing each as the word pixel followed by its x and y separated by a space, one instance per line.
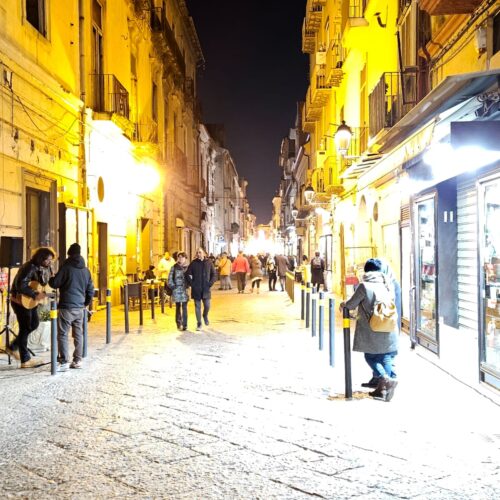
pixel 320 88
pixel 308 40
pixel 448 7
pixel 146 132
pixel 334 63
pixel 393 96
pixel 314 14
pixel 165 38
pixel 108 95
pixel 356 13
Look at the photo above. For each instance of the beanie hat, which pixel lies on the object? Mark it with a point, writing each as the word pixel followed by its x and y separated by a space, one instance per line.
pixel 74 249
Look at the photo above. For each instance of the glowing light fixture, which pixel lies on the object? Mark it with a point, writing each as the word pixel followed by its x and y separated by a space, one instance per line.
pixel 343 138
pixel 295 212
pixel 309 194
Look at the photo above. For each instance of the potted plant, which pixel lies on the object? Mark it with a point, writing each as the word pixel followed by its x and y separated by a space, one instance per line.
pixel 39 339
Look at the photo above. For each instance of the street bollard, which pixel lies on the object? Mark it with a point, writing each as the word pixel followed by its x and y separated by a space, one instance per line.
pixel 125 300
pixel 53 337
pixel 331 330
pixel 347 353
pixel 302 300
pixel 152 298
pixel 313 313
pixel 141 308
pixel 85 332
pixel 321 318
pixel 308 303
pixel 108 316
pixel 162 298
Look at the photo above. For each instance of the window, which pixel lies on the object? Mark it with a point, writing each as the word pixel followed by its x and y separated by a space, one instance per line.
pixel 496 34
pixel 154 102
pixel 35 15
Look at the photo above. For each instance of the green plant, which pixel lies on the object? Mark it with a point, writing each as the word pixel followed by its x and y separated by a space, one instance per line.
pixel 43 313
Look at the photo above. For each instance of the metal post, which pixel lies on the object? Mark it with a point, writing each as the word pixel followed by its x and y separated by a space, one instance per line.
pixel 313 313
pixel 141 309
pixel 308 303
pixel 152 298
pixel 162 297
pixel 85 332
pixel 347 353
pixel 108 316
pixel 125 302
pixel 302 300
pixel 321 318
pixel 331 330
pixel 53 337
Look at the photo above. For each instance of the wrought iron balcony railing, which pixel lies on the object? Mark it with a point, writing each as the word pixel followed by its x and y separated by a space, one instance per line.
pixel 448 7
pixel 108 95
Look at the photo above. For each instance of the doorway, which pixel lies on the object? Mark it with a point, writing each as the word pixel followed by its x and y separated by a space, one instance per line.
pixel 38 219
pixel 102 261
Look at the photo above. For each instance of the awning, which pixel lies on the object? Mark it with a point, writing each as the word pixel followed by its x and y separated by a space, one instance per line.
pixel 361 166
pixel 452 91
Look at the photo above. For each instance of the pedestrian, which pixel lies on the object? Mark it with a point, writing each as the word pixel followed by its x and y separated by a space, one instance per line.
pixel 225 272
pixel 166 263
pixel 281 268
pixel 317 271
pixel 306 270
pixel 271 273
pixel 76 292
pixel 37 269
pixel 178 284
pixel 241 267
pixel 263 262
pixel 200 277
pixel 150 273
pixel 379 348
pixel 256 273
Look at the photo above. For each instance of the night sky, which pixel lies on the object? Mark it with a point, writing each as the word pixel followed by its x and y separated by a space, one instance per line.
pixel 254 75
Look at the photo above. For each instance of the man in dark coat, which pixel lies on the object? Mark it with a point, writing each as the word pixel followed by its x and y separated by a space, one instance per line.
pixel 76 292
pixel 200 275
pixel 318 271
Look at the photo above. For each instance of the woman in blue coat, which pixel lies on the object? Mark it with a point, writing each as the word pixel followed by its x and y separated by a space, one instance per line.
pixel 177 283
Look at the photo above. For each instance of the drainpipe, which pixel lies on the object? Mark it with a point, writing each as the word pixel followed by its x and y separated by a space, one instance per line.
pixel 82 170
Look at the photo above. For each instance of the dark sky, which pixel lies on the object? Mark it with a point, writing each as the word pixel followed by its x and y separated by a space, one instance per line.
pixel 255 73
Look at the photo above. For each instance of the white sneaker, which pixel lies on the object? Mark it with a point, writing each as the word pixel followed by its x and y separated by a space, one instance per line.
pixel 62 367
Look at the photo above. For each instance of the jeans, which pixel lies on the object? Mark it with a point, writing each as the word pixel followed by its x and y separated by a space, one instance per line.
pixel 66 319
pixel 242 281
pixel 181 314
pixel 381 364
pixel 28 321
pixel 197 309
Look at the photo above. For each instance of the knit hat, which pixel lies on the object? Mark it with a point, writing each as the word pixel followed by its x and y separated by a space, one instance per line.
pixel 74 249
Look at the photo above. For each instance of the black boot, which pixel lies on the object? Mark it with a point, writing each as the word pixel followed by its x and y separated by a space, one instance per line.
pixel 380 392
pixel 372 383
pixel 390 386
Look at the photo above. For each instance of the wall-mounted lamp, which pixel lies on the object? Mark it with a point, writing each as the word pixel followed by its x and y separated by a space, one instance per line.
pixel 309 194
pixel 295 212
pixel 343 138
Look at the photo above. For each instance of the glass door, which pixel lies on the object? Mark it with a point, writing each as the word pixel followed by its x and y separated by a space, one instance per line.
pixel 426 261
pixel 490 257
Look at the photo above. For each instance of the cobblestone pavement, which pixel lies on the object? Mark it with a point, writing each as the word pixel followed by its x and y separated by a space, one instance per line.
pixel 247 408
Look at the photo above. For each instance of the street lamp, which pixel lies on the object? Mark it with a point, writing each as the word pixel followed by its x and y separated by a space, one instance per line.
pixel 343 138
pixel 295 212
pixel 309 194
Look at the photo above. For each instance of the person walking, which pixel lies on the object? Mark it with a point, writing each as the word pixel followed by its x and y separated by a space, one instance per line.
pixel 76 292
pixel 281 268
pixel 271 273
pixel 38 269
pixel 379 348
pixel 317 271
pixel 178 284
pixel 241 267
pixel 225 272
pixel 256 273
pixel 166 263
pixel 200 277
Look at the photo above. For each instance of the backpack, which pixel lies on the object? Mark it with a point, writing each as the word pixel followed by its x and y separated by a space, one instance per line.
pixel 384 317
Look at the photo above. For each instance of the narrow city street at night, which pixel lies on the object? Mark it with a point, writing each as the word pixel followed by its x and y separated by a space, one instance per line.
pixel 246 408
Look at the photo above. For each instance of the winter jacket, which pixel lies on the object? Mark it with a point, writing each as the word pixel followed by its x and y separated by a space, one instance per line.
pixel 177 283
pixel 365 339
pixel 224 266
pixel 282 265
pixel 73 279
pixel 256 269
pixel 200 276
pixel 29 271
pixel 241 265
pixel 317 270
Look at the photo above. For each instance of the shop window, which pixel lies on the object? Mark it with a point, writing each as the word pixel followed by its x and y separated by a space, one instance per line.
pixel 35 15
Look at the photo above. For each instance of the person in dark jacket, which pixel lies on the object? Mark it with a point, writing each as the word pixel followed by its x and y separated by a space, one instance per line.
pixel 76 291
pixel 317 271
pixel 200 276
pixel 37 269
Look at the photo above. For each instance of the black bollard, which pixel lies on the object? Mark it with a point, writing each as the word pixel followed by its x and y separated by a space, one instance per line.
pixel 321 318
pixel 162 298
pixel 152 298
pixel 331 330
pixel 108 316
pixel 313 313
pixel 125 304
pixel 308 303
pixel 53 337
pixel 347 353
pixel 141 308
pixel 302 300
pixel 85 332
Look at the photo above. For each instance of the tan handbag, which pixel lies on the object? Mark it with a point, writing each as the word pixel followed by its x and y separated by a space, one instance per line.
pixel 385 317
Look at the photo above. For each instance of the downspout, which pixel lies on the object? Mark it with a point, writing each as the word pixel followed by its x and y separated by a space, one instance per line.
pixel 81 149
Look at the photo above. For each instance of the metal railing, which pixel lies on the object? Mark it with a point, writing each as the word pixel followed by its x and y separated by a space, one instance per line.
pixel 109 95
pixel 146 131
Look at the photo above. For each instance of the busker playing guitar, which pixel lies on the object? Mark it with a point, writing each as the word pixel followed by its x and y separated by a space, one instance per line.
pixel 38 269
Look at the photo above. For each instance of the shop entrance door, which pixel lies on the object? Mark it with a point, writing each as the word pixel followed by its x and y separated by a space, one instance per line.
pixel 102 259
pixel 427 326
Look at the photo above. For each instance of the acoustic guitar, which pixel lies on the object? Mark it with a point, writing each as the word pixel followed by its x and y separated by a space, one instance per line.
pixel 29 302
